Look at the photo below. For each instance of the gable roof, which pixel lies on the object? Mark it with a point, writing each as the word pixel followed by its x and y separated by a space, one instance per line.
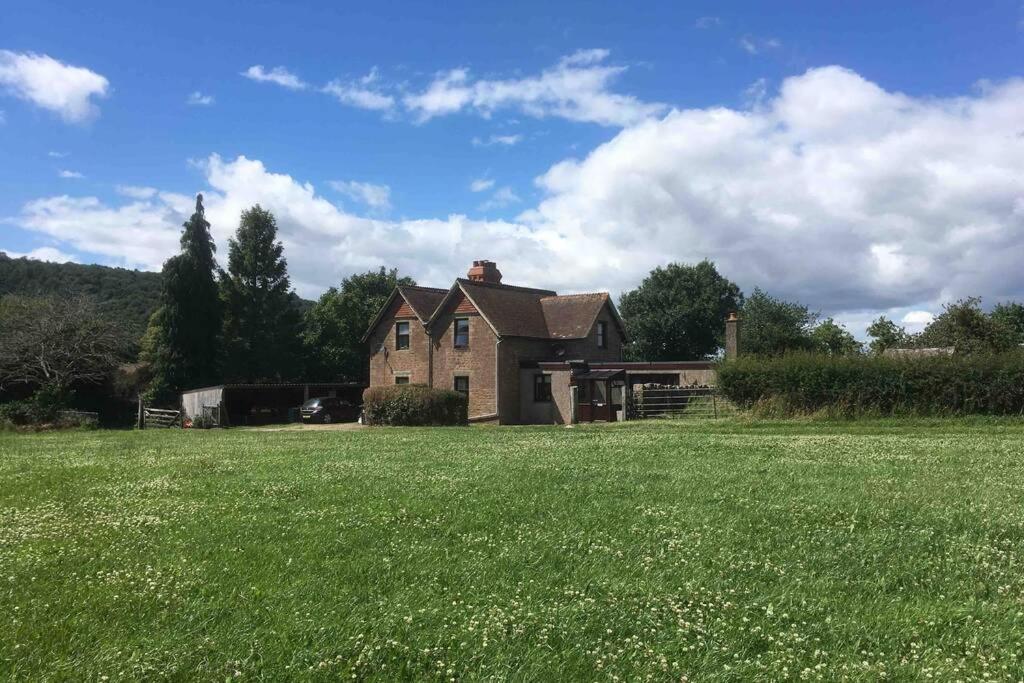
pixel 571 316
pixel 535 313
pixel 422 301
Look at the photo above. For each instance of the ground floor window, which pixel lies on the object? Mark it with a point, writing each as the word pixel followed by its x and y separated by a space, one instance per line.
pixel 401 379
pixel 462 385
pixel 541 388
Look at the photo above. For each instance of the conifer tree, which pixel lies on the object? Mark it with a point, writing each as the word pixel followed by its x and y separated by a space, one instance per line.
pixel 262 325
pixel 186 339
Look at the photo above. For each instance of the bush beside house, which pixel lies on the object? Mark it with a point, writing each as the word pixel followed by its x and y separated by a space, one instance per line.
pixel 990 384
pixel 414 405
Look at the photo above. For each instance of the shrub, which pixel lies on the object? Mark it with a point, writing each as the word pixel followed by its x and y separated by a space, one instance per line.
pixel 414 404
pixel 871 385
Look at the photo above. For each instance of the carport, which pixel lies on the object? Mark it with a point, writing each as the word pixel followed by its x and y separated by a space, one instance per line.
pixel 261 403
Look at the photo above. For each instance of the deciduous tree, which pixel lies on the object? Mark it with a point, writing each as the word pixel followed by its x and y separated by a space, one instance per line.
pixel 772 326
pixel 678 312
pixel 335 325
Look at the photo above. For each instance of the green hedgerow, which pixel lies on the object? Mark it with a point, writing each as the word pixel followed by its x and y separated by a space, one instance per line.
pixel 803 383
pixel 414 405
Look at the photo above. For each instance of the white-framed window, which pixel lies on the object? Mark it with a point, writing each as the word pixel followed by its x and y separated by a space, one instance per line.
pixel 401 335
pixel 461 330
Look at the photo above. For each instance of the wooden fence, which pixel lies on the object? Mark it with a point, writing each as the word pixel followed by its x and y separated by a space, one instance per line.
pixel 158 418
pixel 660 401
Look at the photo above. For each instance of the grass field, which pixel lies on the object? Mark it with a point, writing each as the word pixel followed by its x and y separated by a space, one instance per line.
pixel 659 551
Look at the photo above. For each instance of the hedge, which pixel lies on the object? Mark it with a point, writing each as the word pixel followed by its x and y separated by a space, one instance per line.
pixel 857 385
pixel 412 405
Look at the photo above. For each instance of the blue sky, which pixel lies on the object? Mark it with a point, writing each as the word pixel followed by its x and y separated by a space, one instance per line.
pixel 532 134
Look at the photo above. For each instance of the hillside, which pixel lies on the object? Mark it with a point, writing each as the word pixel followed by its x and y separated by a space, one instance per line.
pixel 129 295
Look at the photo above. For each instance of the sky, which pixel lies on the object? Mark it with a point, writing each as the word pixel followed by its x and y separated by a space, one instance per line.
pixel 861 158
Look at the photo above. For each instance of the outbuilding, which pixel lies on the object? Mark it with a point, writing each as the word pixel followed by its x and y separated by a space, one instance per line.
pixel 263 402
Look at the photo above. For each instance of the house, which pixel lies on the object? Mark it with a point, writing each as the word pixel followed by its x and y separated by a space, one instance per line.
pixel 521 355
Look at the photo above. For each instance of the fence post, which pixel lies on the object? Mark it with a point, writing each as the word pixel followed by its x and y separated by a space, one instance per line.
pixel 714 403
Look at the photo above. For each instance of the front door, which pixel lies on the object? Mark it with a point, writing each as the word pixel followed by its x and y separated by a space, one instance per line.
pixel 595 401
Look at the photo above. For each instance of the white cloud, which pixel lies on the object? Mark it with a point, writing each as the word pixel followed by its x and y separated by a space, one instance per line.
pixel 43 254
pixel 136 191
pixel 57 155
pixel 576 88
pixel 376 197
pixel 502 197
pixel 915 321
pixel 53 85
pixel 835 192
pixel 3 117
pixel 504 140
pixel 279 75
pixel 198 99
pixel 707 22
pixel 481 184
pixel 754 46
pixel 360 93
pixel 64 173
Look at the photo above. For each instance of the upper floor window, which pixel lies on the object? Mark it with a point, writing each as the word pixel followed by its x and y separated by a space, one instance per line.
pixel 462 384
pixel 401 335
pixel 602 334
pixel 462 333
pixel 401 379
pixel 541 388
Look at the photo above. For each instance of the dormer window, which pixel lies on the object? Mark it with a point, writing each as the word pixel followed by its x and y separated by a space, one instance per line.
pixel 401 335
pixel 602 334
pixel 462 333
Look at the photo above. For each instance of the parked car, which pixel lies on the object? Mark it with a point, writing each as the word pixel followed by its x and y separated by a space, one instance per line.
pixel 327 409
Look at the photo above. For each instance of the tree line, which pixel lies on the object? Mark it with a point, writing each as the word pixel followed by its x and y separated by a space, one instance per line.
pixel 245 323
pixel 677 313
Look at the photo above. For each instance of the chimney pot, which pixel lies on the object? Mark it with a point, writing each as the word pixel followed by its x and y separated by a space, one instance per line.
pixel 484 271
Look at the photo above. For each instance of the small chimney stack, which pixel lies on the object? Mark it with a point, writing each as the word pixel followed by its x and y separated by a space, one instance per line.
pixel 485 271
pixel 732 335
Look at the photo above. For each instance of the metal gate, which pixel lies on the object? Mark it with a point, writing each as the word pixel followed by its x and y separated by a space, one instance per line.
pixel 661 401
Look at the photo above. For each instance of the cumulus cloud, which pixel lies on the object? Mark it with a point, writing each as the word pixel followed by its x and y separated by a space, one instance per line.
pixel 48 83
pixel 376 197
pixel 576 88
pixel 64 173
pixel 835 192
pixel 198 99
pixel 481 184
pixel 278 75
pixel 362 93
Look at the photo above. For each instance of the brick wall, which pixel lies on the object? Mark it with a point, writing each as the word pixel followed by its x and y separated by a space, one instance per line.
pixel 413 361
pixel 478 362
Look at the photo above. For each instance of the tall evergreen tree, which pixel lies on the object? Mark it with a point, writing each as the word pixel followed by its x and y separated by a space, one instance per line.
pixel 186 345
pixel 262 325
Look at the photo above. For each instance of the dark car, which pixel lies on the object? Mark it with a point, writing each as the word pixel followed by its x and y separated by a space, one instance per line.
pixel 327 410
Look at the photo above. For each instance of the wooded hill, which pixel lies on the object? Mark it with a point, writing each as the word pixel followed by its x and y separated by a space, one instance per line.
pixel 129 296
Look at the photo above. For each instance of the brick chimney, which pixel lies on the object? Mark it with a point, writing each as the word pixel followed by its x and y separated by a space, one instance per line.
pixel 732 335
pixel 485 271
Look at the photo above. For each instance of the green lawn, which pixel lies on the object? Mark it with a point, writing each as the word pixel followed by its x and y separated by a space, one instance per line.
pixel 726 550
